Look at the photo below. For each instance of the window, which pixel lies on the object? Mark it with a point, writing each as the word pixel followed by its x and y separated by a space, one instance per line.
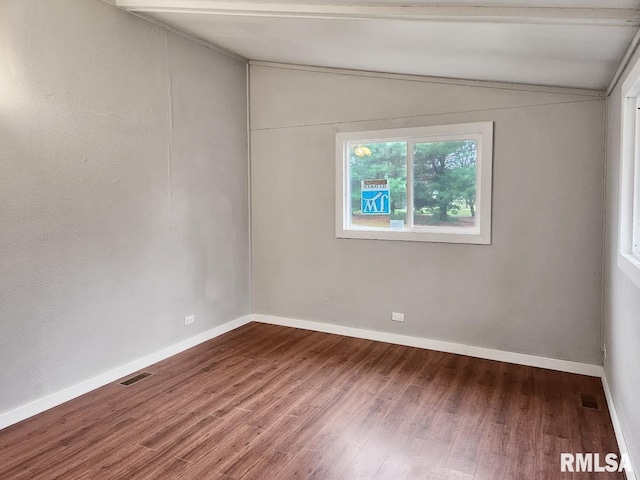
pixel 429 184
pixel 629 228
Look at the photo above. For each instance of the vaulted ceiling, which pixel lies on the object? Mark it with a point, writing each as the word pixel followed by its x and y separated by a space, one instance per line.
pixel 570 43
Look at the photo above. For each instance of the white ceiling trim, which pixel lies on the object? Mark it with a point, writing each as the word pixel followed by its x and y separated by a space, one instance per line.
pixel 519 15
pixel 633 46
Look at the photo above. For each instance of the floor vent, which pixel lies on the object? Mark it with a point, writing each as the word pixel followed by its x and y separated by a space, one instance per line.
pixel 135 379
pixel 589 400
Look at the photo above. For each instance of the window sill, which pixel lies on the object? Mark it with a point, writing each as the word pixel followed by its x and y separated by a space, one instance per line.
pixel 452 235
pixel 630 265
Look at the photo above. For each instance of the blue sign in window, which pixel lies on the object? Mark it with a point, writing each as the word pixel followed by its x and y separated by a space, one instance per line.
pixel 375 197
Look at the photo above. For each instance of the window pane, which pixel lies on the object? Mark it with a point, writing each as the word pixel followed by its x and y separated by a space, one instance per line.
pixel 378 183
pixel 444 183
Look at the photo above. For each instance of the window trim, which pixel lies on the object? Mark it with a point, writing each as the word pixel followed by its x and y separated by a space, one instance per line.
pixel 480 234
pixel 629 207
pixel 635 240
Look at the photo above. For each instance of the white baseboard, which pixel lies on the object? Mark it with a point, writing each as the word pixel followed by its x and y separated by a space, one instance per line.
pixel 617 427
pixel 45 403
pixel 438 345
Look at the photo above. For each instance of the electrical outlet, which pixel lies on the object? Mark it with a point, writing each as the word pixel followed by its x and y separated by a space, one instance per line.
pixel 397 317
pixel 189 320
pixel 604 349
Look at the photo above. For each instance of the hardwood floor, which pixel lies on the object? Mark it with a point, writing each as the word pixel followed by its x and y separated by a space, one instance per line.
pixel 268 402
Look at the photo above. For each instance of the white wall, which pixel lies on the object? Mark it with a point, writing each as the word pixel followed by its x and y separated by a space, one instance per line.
pixel 622 298
pixel 123 192
pixel 536 290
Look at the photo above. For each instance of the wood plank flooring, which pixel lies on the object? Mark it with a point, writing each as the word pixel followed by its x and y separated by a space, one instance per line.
pixel 268 402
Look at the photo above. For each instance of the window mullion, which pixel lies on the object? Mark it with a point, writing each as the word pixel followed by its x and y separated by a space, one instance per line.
pixel 346 172
pixel 409 215
pixel 635 219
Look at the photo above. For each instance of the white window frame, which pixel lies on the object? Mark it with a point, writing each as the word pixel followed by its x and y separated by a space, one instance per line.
pixel 482 132
pixel 629 220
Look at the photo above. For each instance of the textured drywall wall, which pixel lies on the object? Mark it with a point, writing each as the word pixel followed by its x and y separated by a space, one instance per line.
pixel 536 290
pixel 123 192
pixel 622 297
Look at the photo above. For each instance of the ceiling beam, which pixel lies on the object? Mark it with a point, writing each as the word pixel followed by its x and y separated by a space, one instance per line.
pixel 517 15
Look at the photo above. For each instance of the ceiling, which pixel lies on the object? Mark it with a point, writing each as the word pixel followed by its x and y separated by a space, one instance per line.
pixel 570 43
